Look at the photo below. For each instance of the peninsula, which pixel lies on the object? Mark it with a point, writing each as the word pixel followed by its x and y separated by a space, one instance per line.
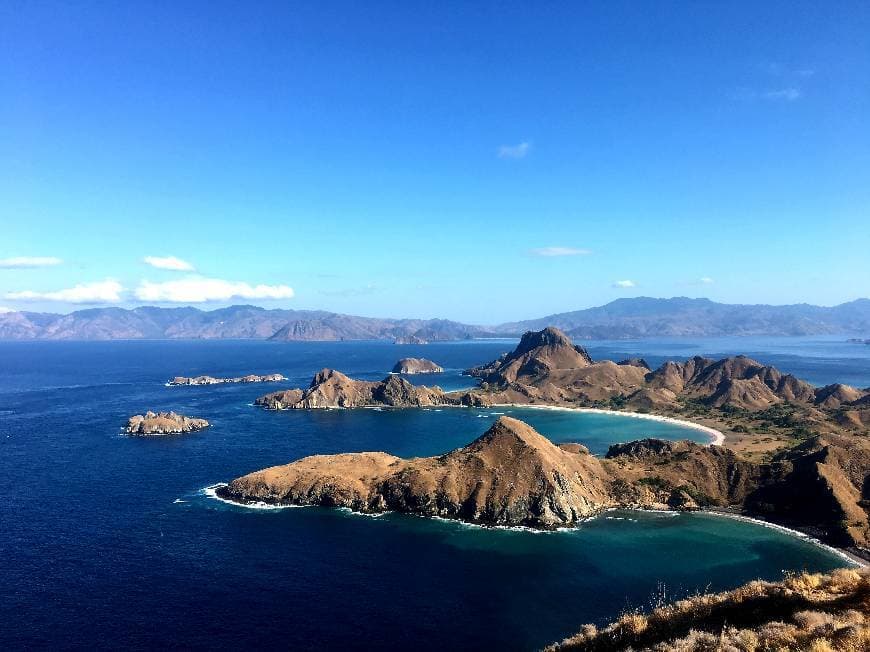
pixel 163 423
pixel 411 366
pixel 511 475
pixel 211 380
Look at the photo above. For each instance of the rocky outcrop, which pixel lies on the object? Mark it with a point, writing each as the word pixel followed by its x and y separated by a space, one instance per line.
pixel 332 389
pixel 163 423
pixel 416 366
pixel 211 380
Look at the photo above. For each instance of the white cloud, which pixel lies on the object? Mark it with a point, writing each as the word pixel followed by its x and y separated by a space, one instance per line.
pixel 197 289
pixel 107 291
pixel 550 252
pixel 705 280
pixel 514 151
pixel 624 284
pixel 168 262
pixel 4 310
pixel 18 262
pixel 785 94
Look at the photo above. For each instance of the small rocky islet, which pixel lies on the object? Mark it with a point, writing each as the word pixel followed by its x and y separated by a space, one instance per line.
pixel 410 366
pixel 155 424
pixel 211 380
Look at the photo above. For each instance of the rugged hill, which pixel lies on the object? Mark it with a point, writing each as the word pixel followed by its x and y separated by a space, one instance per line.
pixel 681 316
pixel 822 613
pixel 332 389
pixel 510 475
pixel 548 367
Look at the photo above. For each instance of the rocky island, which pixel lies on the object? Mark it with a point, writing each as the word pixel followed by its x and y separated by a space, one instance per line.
pixel 332 389
pixel 410 366
pixel 211 380
pixel 163 423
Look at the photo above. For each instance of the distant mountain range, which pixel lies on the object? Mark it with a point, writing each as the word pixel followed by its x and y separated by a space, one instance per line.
pixel 680 316
pixel 621 319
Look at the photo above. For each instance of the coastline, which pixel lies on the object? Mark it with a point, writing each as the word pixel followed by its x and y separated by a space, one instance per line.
pixel 716 436
pixel 850 558
pixel 839 552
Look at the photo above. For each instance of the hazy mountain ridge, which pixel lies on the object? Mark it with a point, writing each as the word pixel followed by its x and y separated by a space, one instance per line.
pixel 681 316
pixel 624 318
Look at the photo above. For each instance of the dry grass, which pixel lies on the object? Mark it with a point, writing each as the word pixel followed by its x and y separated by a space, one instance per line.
pixel 806 611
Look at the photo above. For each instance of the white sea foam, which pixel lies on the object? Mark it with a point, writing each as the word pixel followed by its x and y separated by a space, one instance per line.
pixel 861 563
pixel 211 492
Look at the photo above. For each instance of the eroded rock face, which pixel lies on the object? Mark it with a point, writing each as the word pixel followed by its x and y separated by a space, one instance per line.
pixel 163 423
pixel 211 380
pixel 416 366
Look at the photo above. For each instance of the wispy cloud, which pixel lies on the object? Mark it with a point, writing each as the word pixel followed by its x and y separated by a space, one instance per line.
pixel 551 252
pixel 168 262
pixel 108 291
pixel 198 289
pixel 624 284
pixel 4 310
pixel 19 262
pixel 514 151
pixel 783 94
pixel 706 280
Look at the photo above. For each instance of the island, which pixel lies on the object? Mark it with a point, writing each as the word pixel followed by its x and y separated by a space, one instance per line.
pixel 163 423
pixel 794 454
pixel 411 366
pixel 211 380
pixel 805 611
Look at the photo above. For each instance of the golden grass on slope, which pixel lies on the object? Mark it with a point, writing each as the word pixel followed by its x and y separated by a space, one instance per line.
pixel 815 612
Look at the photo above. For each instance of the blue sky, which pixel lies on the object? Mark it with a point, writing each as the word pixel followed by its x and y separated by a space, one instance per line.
pixel 483 163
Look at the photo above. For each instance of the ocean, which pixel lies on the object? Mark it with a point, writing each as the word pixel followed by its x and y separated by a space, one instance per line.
pixel 110 541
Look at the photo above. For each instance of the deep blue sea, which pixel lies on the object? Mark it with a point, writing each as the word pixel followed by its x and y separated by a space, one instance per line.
pixel 109 541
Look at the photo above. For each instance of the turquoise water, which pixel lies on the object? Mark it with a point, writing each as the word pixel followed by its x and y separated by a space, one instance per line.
pixel 108 541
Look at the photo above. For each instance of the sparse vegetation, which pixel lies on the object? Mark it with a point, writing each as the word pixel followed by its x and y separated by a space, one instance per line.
pixel 803 612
